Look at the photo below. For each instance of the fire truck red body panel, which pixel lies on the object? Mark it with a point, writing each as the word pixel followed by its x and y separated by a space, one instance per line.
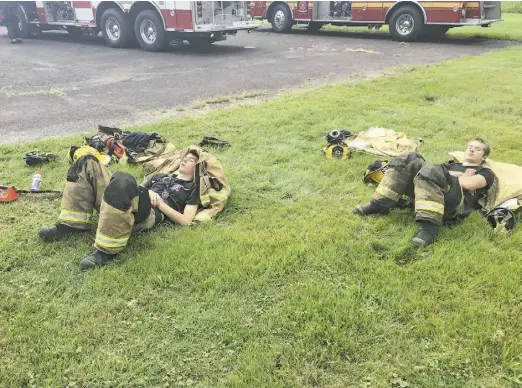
pixel 211 20
pixel 176 15
pixel 451 13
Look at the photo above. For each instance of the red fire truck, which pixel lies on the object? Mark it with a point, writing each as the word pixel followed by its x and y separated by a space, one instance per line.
pixel 408 20
pixel 151 23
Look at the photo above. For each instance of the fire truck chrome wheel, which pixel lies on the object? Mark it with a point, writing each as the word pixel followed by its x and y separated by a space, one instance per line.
pixel 279 19
pixel 113 28
pixel 405 24
pixel 148 31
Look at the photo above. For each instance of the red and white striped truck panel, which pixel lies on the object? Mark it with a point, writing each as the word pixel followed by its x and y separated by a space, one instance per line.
pixel 83 13
pixel 176 15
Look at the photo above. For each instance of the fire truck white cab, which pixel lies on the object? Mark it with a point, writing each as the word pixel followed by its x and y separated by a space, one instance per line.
pixel 152 24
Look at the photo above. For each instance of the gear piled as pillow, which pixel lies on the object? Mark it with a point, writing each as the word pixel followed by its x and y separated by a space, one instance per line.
pixel 157 155
pixel 214 189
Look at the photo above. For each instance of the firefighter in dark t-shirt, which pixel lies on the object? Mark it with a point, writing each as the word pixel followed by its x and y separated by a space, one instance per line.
pixel 123 205
pixel 172 192
pixel 444 193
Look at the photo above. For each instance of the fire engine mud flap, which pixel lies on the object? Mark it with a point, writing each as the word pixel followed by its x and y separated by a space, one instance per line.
pixel 203 42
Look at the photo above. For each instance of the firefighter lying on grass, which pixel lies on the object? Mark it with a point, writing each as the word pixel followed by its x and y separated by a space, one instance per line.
pixel 444 194
pixel 123 205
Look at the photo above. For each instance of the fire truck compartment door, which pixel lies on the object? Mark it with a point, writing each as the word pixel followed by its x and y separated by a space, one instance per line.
pixel 220 13
pixel 178 15
pixel 321 10
pixel 62 12
pixel 367 11
pixel 443 11
pixel 490 10
pixel 83 11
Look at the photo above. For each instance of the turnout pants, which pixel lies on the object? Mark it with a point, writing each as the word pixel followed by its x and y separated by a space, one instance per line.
pixel 438 195
pixel 123 206
pixel 11 21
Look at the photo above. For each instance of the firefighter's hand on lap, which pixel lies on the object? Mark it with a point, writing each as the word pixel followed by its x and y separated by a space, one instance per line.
pixel 155 199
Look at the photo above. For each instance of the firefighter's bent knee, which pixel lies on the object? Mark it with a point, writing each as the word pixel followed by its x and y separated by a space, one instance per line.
pixel 434 173
pixel 121 190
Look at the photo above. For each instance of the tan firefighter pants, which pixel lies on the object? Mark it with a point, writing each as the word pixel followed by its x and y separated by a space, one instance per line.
pixel 438 196
pixel 123 206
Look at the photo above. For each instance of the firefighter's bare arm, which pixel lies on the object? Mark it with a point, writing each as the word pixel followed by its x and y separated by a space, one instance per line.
pixel 456 173
pixel 184 218
pixel 474 182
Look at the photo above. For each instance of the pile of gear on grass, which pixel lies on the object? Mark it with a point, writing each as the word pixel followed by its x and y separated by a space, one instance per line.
pixel 153 152
pixel 499 206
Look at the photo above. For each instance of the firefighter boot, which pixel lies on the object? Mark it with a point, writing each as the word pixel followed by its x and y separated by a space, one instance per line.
pixel 51 233
pixel 97 258
pixel 428 231
pixel 382 206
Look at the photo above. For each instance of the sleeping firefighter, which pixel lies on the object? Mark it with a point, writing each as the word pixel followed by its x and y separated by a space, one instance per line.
pixel 443 194
pixel 125 207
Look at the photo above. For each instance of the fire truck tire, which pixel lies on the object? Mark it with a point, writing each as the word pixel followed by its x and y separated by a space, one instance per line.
pixel 149 31
pixel 115 29
pixel 281 18
pixel 407 24
pixel 24 27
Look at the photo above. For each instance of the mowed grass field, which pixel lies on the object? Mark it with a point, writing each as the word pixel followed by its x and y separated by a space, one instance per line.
pixel 286 288
pixel 512 6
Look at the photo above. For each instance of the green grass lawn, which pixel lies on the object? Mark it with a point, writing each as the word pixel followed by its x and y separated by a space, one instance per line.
pixel 510 28
pixel 287 288
pixel 512 6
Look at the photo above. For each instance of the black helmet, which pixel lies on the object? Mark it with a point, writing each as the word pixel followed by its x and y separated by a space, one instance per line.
pixel 502 216
pixel 337 136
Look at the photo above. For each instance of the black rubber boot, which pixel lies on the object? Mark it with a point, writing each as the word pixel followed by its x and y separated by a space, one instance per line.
pixel 52 233
pixel 97 258
pixel 427 234
pixel 374 207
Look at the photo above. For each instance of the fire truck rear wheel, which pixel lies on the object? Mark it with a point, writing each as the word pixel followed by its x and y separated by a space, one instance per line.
pixel 149 31
pixel 407 24
pixel 281 18
pixel 115 29
pixel 23 26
